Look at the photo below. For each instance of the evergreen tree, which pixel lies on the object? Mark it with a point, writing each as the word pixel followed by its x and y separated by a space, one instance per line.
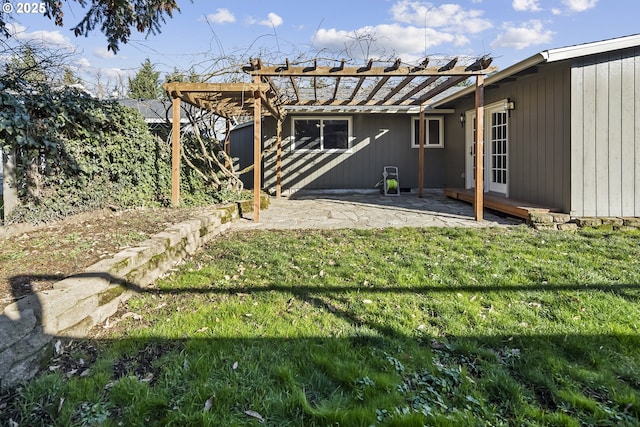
pixel 146 83
pixel 26 67
pixel 69 78
pixel 181 77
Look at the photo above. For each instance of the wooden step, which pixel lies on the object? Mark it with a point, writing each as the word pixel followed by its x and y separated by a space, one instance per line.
pixel 499 203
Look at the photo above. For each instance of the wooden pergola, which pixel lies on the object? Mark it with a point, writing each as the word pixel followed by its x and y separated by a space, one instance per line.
pixel 338 86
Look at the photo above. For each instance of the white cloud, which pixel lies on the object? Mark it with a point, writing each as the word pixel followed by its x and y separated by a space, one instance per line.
pixel 116 73
pixel 580 5
pixel 83 63
pixel 447 16
pixel 526 5
pixel 273 20
pixel 222 16
pixel 48 38
pixel 104 53
pixel 528 34
pixel 405 42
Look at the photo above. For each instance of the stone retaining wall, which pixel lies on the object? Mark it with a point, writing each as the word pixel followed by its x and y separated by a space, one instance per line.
pixel 560 221
pixel 80 302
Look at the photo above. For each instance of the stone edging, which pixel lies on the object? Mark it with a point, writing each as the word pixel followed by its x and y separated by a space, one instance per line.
pixel 564 222
pixel 80 302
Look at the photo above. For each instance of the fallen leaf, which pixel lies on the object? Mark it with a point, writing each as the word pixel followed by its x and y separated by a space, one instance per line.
pixel 135 316
pixel 367 301
pixel 208 404
pixel 58 347
pixel 202 329
pixel 437 344
pixel 235 366
pixel 147 378
pixel 254 414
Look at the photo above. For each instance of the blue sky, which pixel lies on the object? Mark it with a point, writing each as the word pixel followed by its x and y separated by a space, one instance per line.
pixel 211 35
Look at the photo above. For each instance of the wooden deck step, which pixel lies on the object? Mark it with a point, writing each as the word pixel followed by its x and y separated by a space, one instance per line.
pixel 498 203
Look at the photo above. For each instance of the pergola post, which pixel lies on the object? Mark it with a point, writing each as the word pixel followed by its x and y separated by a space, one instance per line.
pixel 478 200
pixel 278 158
pixel 421 138
pixel 257 151
pixel 175 152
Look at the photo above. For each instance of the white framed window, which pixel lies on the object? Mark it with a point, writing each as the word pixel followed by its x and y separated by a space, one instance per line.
pixel 434 132
pixel 321 133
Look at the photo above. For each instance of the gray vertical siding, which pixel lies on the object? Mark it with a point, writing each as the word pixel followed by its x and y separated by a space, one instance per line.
pixel 539 137
pixel 538 140
pixel 378 140
pixel 242 148
pixel 605 134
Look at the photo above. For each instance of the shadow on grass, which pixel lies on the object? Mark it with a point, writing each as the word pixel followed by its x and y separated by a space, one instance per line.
pixel 377 374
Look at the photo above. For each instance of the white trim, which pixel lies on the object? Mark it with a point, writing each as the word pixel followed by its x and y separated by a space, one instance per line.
pixel 350 138
pixel 360 109
pixel 570 52
pixel 440 143
pixel 499 106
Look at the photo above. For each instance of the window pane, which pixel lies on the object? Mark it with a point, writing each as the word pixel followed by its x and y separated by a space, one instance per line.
pixel 336 134
pixel 307 134
pixel 434 132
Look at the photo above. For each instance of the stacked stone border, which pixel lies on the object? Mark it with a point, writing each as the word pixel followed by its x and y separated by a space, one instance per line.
pixel 76 304
pixel 564 222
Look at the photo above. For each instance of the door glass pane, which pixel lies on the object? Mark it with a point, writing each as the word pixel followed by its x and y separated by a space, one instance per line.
pixel 499 147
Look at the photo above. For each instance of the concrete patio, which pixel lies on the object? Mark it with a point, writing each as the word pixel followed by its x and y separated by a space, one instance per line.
pixel 324 210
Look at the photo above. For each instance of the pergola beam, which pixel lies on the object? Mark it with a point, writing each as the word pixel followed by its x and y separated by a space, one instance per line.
pixel 326 71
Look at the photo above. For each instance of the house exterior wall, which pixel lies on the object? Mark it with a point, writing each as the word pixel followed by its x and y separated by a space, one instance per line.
pixel 538 136
pixel 605 133
pixel 242 148
pixel 378 140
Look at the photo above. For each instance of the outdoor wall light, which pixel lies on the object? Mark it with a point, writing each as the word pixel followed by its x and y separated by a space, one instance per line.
pixel 461 119
pixel 509 105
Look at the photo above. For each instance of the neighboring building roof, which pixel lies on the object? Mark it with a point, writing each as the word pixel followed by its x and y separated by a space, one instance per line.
pixel 153 110
pixel 551 55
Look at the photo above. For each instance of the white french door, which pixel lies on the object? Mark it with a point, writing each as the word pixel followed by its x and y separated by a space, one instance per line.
pixel 496 164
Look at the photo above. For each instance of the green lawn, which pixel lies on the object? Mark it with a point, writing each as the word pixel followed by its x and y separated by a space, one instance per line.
pixel 398 327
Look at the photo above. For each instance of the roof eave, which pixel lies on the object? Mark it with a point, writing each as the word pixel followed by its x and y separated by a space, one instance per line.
pixel 594 48
pixel 494 78
pixel 552 55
